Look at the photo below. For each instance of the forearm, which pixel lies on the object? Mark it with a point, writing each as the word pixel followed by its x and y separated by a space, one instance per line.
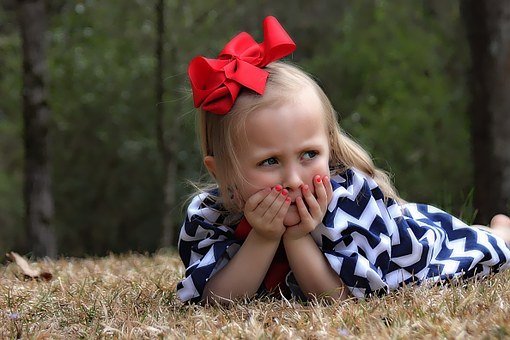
pixel 244 273
pixel 311 269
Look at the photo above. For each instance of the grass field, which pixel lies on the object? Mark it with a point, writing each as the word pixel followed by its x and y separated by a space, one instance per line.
pixel 133 296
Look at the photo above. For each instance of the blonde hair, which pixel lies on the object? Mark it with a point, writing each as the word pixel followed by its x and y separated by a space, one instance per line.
pixel 221 133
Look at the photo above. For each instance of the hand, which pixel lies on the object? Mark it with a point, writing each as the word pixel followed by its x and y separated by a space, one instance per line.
pixel 317 206
pixel 265 211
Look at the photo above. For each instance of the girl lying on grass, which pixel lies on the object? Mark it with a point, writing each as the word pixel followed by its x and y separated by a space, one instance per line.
pixel 298 207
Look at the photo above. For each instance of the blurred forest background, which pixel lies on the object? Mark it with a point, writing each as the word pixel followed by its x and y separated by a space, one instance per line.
pixel 120 121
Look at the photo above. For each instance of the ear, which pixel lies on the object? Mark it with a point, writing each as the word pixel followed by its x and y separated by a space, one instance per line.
pixel 210 164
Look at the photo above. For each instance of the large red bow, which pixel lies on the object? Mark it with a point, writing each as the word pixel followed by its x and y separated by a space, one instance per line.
pixel 216 82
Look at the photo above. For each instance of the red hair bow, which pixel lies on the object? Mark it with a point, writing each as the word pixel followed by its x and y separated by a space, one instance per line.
pixel 216 82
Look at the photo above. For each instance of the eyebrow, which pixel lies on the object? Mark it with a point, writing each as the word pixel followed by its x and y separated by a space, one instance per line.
pixel 270 153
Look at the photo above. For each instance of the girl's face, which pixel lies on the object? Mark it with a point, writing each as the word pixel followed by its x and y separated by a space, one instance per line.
pixel 286 145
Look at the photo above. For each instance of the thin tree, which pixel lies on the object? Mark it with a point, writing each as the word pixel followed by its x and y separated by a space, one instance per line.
pixel 167 138
pixel 488 28
pixel 38 197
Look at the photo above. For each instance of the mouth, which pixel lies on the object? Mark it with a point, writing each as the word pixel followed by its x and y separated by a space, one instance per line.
pixel 293 203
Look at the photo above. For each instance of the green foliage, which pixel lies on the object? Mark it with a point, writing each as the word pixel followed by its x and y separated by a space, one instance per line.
pixel 107 170
pixel 395 75
pixel 394 71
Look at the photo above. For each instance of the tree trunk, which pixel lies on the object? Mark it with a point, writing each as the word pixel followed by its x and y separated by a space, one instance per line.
pixel 36 115
pixel 488 29
pixel 167 141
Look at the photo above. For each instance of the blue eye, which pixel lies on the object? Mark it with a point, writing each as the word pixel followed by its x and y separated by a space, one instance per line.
pixel 269 161
pixel 310 154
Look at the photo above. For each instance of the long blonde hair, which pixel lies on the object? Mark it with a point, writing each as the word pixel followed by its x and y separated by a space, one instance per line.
pixel 220 134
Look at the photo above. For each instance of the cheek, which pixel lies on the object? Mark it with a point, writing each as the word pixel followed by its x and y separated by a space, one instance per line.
pixel 255 181
pixel 322 168
pixel 245 191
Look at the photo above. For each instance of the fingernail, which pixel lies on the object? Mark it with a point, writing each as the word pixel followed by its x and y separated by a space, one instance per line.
pixel 287 200
pixel 305 187
pixel 278 187
pixel 318 179
pixel 326 178
pixel 285 192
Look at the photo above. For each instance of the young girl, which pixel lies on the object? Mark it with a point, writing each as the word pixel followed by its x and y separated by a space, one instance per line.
pixel 298 207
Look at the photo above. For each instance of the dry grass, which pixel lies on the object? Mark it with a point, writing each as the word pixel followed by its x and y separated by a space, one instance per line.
pixel 132 296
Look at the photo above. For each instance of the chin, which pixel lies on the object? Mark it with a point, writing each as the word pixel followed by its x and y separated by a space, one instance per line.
pixel 292 217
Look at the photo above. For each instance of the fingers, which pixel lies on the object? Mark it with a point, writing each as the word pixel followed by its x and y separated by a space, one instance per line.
pixel 265 211
pixel 302 209
pixel 278 210
pixel 320 190
pixel 329 189
pixel 313 206
pixel 269 203
pixel 262 198
pixel 323 192
pixel 312 203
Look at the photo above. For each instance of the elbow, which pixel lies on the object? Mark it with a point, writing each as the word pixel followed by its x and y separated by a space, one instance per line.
pixel 336 290
pixel 224 297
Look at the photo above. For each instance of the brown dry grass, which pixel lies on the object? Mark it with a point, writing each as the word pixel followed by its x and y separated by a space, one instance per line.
pixel 133 296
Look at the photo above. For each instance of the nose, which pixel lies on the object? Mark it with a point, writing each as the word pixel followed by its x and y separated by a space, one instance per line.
pixel 292 178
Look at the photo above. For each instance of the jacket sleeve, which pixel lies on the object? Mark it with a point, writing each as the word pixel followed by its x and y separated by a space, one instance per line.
pixel 355 236
pixel 205 246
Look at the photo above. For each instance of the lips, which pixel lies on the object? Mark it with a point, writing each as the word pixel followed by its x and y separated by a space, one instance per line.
pixel 293 200
pixel 293 203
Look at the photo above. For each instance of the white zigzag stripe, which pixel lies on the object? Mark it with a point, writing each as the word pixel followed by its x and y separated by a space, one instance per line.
pixel 365 220
pixel 335 262
pixel 210 215
pixel 458 248
pixel 483 238
pixel 207 259
pixel 195 257
pixel 394 278
pixel 363 269
pixel 209 241
pixel 413 210
pixel 387 218
pixel 371 253
pixel 414 256
pixel 189 291
pixel 351 192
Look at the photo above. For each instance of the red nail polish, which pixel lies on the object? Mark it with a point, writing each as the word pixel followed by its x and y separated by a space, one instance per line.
pixel 287 200
pixel 285 192
pixel 318 179
pixel 278 187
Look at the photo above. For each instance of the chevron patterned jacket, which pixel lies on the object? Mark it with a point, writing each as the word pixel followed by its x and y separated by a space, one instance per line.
pixel 374 244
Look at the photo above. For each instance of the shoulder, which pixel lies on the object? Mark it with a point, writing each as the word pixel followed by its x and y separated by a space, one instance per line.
pixel 207 207
pixel 358 200
pixel 350 182
pixel 354 190
pixel 204 228
pixel 205 219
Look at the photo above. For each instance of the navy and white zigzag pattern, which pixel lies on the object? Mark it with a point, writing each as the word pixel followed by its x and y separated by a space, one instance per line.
pixel 374 245
pixel 206 244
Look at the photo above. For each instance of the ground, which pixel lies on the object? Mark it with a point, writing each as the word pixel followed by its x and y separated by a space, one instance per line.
pixel 133 296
